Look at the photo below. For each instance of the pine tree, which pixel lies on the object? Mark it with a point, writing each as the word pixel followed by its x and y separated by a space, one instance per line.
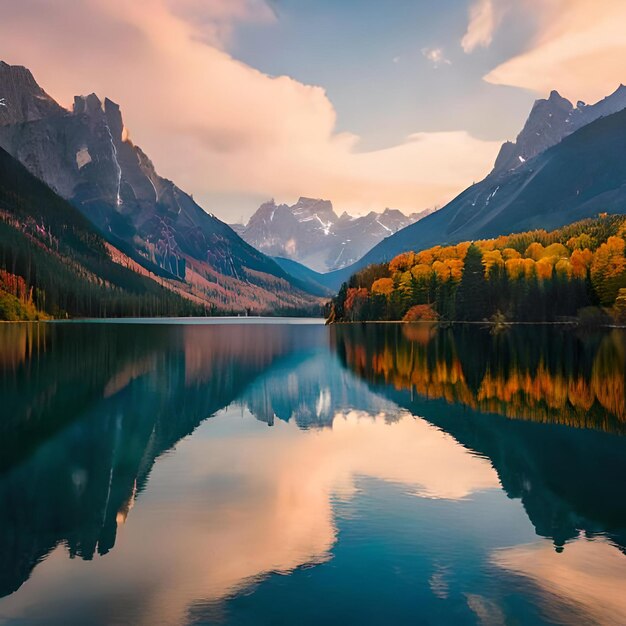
pixel 470 296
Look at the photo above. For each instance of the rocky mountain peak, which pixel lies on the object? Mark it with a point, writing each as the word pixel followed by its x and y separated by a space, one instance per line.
pixel 551 120
pixel 545 118
pixel 311 233
pixel 264 213
pixel 21 98
pixel 87 105
pixel 85 156
pixel 270 204
pixel 100 111
pixel 393 213
pixel 114 118
pixel 557 99
pixel 308 207
pixel 613 103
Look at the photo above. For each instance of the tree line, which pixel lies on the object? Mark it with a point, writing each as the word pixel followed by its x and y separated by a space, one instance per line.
pixel 535 276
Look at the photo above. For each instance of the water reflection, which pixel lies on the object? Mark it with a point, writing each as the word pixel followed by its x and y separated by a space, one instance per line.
pixel 588 578
pixel 567 478
pixel 540 373
pixel 233 513
pixel 117 398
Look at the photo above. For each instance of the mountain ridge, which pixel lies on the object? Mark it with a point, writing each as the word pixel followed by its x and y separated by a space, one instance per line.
pixel 313 234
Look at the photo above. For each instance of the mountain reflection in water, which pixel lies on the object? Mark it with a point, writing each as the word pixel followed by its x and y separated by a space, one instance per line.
pixel 389 469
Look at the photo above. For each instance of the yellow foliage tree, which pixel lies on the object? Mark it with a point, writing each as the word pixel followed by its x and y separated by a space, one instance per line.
pixel 544 269
pixel 580 242
pixel 563 268
pixel 581 262
pixel 608 269
pixel 555 251
pixel 402 262
pixel 510 253
pixel 422 270
pixel 534 251
pixel 382 286
pixel 492 259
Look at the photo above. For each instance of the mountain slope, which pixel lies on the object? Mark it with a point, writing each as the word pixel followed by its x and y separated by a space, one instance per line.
pixel 53 258
pixel 581 176
pixel 313 282
pixel 311 233
pixel 86 156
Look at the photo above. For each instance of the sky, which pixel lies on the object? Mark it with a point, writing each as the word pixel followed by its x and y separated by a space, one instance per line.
pixel 370 104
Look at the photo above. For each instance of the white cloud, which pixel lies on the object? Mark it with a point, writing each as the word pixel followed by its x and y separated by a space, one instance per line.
pixel 216 125
pixel 482 24
pixel 435 56
pixel 214 19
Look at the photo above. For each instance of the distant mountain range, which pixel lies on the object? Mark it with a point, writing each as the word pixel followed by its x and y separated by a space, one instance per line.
pixel 567 163
pixel 311 233
pixel 86 157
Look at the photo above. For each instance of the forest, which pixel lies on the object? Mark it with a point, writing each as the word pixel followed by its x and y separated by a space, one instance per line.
pixel 38 281
pixel 54 263
pixel 578 271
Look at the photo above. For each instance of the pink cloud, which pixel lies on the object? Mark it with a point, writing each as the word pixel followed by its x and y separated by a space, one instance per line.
pixel 579 47
pixel 219 126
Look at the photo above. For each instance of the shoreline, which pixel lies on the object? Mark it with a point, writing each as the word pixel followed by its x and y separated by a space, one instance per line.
pixel 483 323
pixel 271 320
pixel 177 320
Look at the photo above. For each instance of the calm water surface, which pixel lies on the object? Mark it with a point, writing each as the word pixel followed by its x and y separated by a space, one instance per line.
pixel 241 473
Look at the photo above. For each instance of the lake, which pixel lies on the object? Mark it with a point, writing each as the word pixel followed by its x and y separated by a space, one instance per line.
pixel 282 473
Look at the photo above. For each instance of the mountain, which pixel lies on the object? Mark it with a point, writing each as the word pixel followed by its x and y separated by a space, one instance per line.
pixel 53 261
pixel 582 175
pixel 550 121
pixel 24 100
pixel 311 233
pixel 313 282
pixel 86 156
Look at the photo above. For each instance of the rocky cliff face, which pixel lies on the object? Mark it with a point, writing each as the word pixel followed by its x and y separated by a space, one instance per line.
pixel 21 98
pixel 311 233
pixel 549 122
pixel 86 156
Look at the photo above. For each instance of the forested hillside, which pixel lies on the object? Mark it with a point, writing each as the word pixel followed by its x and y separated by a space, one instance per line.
pixel 54 263
pixel 531 276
